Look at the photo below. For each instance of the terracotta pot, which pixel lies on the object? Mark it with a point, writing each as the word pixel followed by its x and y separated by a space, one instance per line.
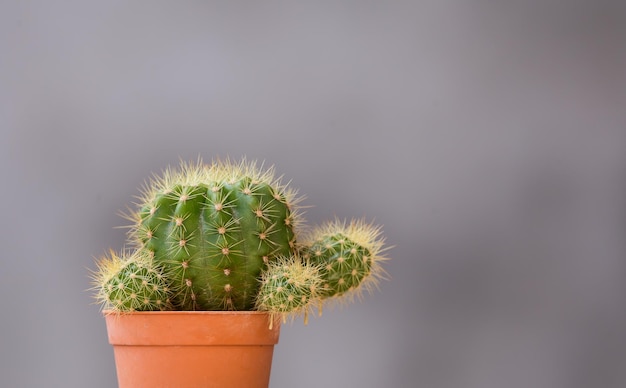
pixel 181 349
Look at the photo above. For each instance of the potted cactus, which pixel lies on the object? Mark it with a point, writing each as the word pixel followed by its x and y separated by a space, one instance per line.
pixel 217 260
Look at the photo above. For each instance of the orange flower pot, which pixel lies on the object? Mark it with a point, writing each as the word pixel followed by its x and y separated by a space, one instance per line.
pixel 180 349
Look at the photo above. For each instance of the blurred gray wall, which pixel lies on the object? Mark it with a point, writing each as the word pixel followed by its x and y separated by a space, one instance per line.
pixel 487 137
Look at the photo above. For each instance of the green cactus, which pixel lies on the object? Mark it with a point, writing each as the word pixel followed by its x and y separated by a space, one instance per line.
pixel 288 287
pixel 130 283
pixel 224 236
pixel 213 228
pixel 349 257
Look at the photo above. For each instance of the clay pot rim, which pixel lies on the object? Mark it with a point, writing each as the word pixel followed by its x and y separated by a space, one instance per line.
pixel 191 327
pixel 182 312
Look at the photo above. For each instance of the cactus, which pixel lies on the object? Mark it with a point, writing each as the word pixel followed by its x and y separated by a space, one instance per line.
pixel 213 229
pixel 130 283
pixel 288 287
pixel 224 236
pixel 349 257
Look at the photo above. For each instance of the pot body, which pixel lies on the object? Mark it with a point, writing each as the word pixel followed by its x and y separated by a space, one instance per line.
pixel 181 349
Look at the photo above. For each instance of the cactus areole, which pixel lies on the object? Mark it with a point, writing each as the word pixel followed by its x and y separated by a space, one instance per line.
pixel 213 229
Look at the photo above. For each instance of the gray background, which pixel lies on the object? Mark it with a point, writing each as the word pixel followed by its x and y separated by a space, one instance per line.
pixel 487 137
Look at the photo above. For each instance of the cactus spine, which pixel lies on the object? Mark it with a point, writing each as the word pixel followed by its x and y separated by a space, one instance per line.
pixel 213 229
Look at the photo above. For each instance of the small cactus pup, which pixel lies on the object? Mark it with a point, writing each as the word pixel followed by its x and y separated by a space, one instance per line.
pixel 288 287
pixel 349 256
pixel 213 229
pixel 130 283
